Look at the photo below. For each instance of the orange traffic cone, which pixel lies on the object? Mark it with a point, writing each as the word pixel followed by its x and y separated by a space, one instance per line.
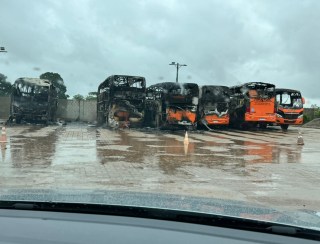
pixel 3 135
pixel 186 143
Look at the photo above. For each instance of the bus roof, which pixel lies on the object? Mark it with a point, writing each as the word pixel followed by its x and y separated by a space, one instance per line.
pixel 253 84
pixel 280 90
pixel 174 85
pixel 108 81
pixel 33 81
pixel 215 86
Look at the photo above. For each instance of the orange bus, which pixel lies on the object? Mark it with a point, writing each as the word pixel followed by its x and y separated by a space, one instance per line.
pixel 172 105
pixel 214 105
pixel 289 107
pixel 252 104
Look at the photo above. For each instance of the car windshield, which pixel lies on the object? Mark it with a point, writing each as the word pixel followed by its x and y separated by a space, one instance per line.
pixel 165 104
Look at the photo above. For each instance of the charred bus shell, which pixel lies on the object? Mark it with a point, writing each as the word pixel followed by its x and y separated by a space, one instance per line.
pixel 121 101
pixel 172 105
pixel 252 104
pixel 214 105
pixel 33 100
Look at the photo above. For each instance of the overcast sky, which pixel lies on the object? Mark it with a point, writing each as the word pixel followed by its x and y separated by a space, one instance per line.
pixel 222 42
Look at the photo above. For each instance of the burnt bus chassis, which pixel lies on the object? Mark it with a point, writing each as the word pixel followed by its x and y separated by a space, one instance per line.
pixel 119 91
pixel 158 100
pixel 161 97
pixel 31 107
pixel 240 100
pixel 213 97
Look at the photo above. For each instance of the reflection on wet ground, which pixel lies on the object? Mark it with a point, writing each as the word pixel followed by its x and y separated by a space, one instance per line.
pixel 265 166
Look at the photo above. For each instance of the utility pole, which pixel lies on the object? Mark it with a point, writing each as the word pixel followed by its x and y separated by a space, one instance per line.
pixel 178 67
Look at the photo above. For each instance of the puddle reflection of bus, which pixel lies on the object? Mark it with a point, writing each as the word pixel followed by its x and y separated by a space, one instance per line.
pixel 258 152
pixel 172 105
pixel 121 101
pixel 214 105
pixel 177 147
pixel 252 104
pixel 289 107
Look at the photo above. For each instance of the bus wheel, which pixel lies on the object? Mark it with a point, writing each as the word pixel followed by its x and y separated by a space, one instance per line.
pixel 284 127
pixel 18 120
pixel 263 126
pixel 157 121
pixel 244 126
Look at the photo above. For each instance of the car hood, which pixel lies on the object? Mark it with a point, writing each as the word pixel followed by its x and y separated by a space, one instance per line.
pixel 244 210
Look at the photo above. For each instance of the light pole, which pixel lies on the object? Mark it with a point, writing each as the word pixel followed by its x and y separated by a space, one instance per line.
pixel 178 67
pixel 2 50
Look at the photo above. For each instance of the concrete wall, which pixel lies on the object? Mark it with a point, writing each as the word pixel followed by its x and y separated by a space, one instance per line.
pixel 4 107
pixel 70 110
pixel 73 110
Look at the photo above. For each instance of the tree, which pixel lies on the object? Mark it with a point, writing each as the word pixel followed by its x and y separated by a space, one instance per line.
pixel 5 86
pixel 58 82
pixel 78 97
pixel 92 96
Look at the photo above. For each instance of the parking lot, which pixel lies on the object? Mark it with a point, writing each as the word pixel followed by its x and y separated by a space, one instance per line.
pixel 264 166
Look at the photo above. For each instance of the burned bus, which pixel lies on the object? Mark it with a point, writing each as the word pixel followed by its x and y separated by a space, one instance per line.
pixel 121 101
pixel 289 107
pixel 252 104
pixel 214 105
pixel 33 100
pixel 172 105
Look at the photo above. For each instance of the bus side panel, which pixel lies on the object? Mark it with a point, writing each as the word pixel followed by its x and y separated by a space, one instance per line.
pixel 216 120
pixel 261 111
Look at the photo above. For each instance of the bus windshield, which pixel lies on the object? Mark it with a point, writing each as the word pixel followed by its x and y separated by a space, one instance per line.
pixel 259 92
pixel 290 100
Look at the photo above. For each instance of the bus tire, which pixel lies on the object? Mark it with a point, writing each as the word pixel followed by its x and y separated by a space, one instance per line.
pixel 284 127
pixel 263 126
pixel 155 121
pixel 18 120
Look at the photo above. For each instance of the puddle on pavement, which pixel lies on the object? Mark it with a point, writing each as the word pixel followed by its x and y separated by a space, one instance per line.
pixel 22 151
pixel 209 162
pixel 116 148
pixel 80 144
pixel 215 149
pixel 75 145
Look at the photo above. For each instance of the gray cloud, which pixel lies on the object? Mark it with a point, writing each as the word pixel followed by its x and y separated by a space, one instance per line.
pixel 223 42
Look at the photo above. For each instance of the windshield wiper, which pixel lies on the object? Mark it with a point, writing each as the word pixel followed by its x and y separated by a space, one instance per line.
pixel 166 214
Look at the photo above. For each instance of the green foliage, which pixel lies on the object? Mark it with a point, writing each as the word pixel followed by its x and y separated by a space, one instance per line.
pixel 306 119
pixel 317 113
pixel 78 97
pixel 5 86
pixel 58 82
pixel 92 96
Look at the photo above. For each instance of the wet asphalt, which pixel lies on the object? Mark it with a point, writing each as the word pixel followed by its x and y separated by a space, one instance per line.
pixel 262 166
